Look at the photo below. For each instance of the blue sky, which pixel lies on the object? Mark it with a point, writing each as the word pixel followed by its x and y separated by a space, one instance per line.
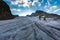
pixel 24 7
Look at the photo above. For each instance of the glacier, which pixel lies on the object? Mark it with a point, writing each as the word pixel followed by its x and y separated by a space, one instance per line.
pixel 30 28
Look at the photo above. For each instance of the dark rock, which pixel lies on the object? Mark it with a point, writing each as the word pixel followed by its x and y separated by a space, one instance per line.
pixel 16 16
pixel 42 13
pixel 5 12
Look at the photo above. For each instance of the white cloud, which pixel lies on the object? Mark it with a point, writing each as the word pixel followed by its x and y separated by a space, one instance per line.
pixel 33 4
pixel 15 2
pixel 18 10
pixel 36 1
pixel 13 9
pixel 25 3
pixel 54 6
pixel 19 3
pixel 48 3
pixel 39 4
pixel 42 1
pixel 48 8
pixel 51 9
pixel 56 10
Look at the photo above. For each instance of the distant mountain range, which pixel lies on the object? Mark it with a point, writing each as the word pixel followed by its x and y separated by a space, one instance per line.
pixel 42 13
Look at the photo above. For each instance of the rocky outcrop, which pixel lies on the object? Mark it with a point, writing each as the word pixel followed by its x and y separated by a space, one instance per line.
pixel 5 12
pixel 42 13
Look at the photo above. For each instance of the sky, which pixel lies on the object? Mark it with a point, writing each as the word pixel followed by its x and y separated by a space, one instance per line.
pixel 26 7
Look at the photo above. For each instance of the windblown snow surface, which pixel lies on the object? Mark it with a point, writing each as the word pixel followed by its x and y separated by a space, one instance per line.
pixel 30 28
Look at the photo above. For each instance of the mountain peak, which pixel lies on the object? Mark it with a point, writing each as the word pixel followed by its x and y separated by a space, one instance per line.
pixel 42 13
pixel 5 12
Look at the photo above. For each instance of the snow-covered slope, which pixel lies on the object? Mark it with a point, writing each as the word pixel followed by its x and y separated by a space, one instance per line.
pixel 29 28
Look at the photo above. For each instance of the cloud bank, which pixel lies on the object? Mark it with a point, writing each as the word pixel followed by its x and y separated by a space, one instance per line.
pixel 48 7
pixel 26 3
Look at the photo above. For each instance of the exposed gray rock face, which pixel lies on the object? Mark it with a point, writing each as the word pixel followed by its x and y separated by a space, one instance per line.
pixel 5 12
